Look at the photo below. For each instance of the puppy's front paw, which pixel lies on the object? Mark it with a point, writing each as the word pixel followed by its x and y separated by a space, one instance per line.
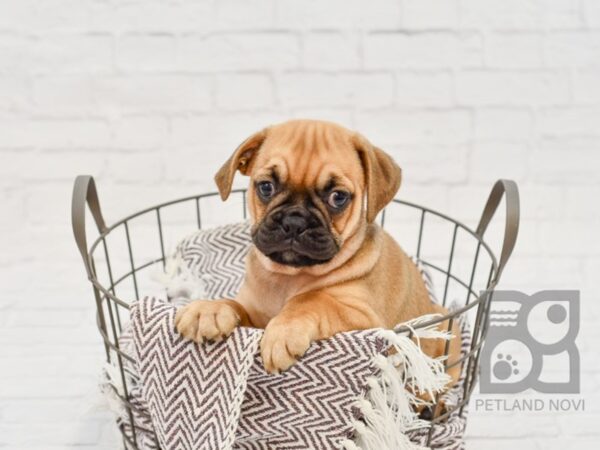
pixel 283 342
pixel 203 319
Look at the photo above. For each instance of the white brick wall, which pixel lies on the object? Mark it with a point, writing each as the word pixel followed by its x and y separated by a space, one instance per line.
pixel 150 96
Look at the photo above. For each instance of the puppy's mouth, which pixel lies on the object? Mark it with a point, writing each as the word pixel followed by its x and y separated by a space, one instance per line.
pixel 295 240
pixel 296 254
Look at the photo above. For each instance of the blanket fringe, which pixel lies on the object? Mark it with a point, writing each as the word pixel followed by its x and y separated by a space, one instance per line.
pixel 111 387
pixel 388 409
pixel 179 280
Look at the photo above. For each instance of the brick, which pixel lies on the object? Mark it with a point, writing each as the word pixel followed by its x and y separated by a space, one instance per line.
pixel 427 14
pixel 542 201
pixel 48 411
pixel 423 164
pixel 362 90
pixel 515 50
pixel 484 427
pixel 13 202
pixel 433 89
pixel 147 167
pixel 330 51
pixel 48 319
pixel 244 91
pixel 140 197
pixel 569 122
pixel 313 14
pixel 579 240
pixel 562 14
pixel 586 86
pixel 570 160
pixel 43 200
pixel 50 434
pixel 15 54
pixel 15 93
pixel 384 14
pixel 495 160
pixel 572 48
pixel 415 127
pixel 63 165
pixel 153 93
pixel 139 133
pixel 435 197
pixel 340 115
pixel 146 53
pixel 244 14
pixel 591 267
pixel 465 202
pixel 12 256
pixel 73 54
pixel 19 15
pixel 64 95
pixel 580 201
pixel 54 337
pixel 591 13
pixel 194 131
pixel 158 16
pixel 190 165
pixel 56 134
pixel 422 51
pixel 239 51
pixel 505 15
pixel 512 88
pixel 503 123
pixel 214 136
pixel 526 269
pixel 54 15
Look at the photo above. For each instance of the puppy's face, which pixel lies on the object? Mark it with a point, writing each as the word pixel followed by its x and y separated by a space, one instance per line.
pixel 306 193
pixel 307 190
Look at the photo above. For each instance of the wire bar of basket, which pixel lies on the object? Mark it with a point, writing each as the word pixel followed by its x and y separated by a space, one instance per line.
pixel 450 261
pixel 160 236
pixel 135 283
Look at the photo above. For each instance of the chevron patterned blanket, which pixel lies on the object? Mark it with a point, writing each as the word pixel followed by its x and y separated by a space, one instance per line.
pixel 345 393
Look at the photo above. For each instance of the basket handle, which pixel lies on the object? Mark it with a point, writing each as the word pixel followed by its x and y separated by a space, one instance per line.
pixel 84 192
pixel 510 191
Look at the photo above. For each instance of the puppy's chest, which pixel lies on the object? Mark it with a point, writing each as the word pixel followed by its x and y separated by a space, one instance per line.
pixel 272 294
pixel 267 297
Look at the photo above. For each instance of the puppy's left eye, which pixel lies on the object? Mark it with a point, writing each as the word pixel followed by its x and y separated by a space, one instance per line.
pixel 338 199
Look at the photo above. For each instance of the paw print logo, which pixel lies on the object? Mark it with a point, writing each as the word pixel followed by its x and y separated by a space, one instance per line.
pixel 505 367
pixel 523 333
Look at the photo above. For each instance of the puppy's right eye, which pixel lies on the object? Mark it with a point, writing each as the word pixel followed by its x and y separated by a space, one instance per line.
pixel 266 189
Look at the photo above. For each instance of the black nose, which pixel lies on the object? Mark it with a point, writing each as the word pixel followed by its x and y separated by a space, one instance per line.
pixel 295 221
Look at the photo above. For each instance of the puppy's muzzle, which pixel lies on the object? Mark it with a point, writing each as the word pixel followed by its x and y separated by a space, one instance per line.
pixel 295 236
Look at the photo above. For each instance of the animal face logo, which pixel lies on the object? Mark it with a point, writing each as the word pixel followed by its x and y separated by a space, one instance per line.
pixel 529 336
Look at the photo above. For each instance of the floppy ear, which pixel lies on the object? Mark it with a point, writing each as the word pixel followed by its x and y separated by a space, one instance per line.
pixel 240 160
pixel 382 175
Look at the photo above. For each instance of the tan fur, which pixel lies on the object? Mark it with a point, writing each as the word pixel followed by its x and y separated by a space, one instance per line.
pixel 369 283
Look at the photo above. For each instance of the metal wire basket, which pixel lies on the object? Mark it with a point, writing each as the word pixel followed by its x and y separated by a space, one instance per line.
pixel 459 259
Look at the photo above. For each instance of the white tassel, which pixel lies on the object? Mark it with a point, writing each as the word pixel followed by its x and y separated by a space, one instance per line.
pixel 111 378
pixel 179 281
pixel 389 408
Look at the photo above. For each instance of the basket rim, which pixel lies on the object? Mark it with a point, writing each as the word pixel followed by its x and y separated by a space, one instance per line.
pixel 122 221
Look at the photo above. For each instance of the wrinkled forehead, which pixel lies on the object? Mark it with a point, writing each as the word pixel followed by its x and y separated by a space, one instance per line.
pixel 310 155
